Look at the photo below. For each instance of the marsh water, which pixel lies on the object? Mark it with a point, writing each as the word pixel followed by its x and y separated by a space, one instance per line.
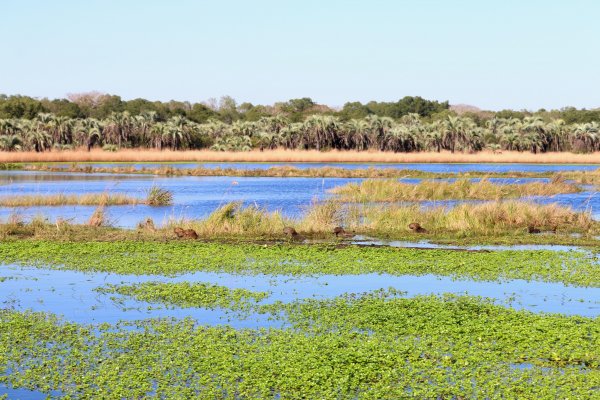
pixel 73 294
pixel 196 197
pixel 426 167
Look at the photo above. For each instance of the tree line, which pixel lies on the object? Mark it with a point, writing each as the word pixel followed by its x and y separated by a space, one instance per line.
pixel 411 124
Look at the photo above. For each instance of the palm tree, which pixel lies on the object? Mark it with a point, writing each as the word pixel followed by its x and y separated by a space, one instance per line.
pixel 36 139
pixel 434 139
pixel 10 142
pixel 158 134
pixel 88 132
pixel 455 131
pixel 322 131
pixel 118 128
pixel 588 135
pixel 378 127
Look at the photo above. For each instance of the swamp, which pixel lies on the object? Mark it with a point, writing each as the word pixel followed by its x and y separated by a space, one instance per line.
pixel 345 281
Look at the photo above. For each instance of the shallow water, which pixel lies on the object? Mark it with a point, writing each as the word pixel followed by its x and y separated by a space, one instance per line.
pixel 424 244
pixel 26 394
pixel 71 293
pixel 427 167
pixel 196 197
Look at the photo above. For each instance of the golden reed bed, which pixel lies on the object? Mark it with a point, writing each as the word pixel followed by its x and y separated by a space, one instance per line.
pixel 297 156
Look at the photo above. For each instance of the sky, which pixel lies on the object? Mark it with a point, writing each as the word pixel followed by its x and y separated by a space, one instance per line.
pixel 526 54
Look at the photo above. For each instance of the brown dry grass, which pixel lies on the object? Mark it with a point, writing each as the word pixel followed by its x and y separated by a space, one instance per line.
pixel 492 222
pixel 465 220
pixel 297 156
pixel 89 199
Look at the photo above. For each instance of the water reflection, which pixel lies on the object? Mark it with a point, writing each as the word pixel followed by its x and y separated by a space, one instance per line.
pixel 71 293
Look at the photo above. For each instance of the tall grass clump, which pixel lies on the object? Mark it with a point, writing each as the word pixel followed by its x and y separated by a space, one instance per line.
pixel 473 219
pixel 323 217
pixel 234 218
pixel 461 189
pixel 157 196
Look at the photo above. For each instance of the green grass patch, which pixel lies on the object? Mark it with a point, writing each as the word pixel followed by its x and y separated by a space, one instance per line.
pixel 135 257
pixel 385 190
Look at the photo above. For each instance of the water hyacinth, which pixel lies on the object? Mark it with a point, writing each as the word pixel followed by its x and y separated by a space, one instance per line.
pixel 185 294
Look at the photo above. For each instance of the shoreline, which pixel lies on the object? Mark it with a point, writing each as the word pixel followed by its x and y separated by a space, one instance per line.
pixel 297 156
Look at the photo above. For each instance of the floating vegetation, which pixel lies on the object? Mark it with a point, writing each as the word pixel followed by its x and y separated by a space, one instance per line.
pixel 284 171
pixel 187 294
pixel 376 345
pixel 135 257
pixel 462 189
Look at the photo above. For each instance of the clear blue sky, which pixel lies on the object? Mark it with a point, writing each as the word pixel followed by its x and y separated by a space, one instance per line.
pixel 492 54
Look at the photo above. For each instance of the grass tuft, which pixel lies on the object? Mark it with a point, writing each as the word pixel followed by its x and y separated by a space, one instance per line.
pixel 157 196
pixel 235 219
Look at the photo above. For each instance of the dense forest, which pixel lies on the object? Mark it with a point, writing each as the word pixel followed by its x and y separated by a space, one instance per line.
pixel 91 120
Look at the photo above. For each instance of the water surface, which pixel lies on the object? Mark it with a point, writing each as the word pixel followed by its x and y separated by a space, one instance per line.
pixel 196 197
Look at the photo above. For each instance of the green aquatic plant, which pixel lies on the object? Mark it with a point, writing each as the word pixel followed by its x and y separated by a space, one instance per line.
pixel 186 294
pixel 135 257
pixel 11 166
pixel 371 346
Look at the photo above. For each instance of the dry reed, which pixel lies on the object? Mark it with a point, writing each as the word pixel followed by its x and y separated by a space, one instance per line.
pixel 90 199
pixel 146 155
pixel 234 219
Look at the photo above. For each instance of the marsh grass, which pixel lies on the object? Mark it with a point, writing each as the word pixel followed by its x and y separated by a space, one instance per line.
pixel 489 218
pixel 372 190
pixel 502 222
pixel 284 171
pixel 141 155
pixel 155 196
pixel 90 199
pixel 235 219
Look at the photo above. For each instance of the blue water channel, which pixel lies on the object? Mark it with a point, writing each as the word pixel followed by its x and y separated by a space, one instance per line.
pixel 196 197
